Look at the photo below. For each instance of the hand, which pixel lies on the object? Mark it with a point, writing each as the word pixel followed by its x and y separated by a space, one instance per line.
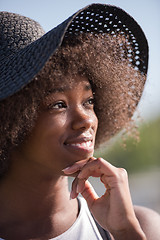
pixel 113 210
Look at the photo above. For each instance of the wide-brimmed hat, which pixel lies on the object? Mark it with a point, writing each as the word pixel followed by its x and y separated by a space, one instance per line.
pixel 25 48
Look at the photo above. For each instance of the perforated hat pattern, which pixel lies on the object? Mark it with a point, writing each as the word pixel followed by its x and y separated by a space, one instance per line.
pixel 24 48
pixel 113 20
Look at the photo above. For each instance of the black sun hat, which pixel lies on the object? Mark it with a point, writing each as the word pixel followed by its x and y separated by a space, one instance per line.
pixel 25 48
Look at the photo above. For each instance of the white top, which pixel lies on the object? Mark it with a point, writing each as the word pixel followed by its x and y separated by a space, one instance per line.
pixel 84 227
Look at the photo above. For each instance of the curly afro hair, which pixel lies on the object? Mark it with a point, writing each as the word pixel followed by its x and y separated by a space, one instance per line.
pixel 116 83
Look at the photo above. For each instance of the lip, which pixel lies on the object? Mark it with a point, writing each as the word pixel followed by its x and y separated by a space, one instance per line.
pixel 84 144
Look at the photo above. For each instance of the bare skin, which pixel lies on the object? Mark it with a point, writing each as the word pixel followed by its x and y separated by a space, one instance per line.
pixel 114 210
pixel 35 209
pixel 34 196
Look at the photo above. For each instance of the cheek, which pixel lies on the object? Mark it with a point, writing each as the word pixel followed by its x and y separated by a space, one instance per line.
pixel 53 128
pixel 48 128
pixel 95 120
pixel 55 123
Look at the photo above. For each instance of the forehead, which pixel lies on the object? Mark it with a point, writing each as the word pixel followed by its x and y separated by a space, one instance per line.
pixel 69 83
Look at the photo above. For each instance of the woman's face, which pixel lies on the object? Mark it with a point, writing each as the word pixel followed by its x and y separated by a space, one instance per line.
pixel 66 128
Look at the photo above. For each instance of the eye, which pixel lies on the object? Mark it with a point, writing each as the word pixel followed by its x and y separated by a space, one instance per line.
pixel 90 102
pixel 57 105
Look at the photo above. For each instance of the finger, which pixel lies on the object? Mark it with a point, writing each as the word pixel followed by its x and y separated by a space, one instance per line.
pixel 89 194
pixel 77 166
pixel 96 168
pixel 74 193
pixel 80 185
pixel 104 179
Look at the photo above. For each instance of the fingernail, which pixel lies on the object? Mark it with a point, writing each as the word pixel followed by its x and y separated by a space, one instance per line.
pixel 65 169
pixel 72 195
pixel 77 189
pixel 79 175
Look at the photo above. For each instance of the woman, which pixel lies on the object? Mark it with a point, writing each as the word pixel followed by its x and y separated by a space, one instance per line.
pixel 62 93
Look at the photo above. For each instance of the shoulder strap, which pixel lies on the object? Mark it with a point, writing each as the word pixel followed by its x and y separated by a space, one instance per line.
pixel 104 233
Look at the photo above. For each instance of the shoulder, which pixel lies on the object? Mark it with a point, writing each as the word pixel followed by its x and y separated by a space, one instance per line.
pixel 147 215
pixel 149 221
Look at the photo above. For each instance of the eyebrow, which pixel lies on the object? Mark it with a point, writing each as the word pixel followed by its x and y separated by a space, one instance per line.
pixel 87 87
pixel 60 89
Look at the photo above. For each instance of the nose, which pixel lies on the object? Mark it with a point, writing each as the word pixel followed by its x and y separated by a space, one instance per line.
pixel 83 120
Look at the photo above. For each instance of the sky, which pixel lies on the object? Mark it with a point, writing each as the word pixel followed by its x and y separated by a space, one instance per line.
pixel 50 13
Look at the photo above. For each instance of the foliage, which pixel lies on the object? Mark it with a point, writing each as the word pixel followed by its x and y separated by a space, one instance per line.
pixel 136 156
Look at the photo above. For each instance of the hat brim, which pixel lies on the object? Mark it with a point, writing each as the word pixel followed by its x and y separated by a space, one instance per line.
pixel 17 70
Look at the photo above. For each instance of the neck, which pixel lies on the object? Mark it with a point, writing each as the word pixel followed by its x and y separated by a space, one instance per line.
pixel 32 201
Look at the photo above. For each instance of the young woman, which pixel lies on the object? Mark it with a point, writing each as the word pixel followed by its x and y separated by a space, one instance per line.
pixel 63 94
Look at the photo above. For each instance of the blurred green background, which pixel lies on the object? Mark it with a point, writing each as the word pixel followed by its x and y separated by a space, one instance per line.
pixel 135 155
pixel 142 162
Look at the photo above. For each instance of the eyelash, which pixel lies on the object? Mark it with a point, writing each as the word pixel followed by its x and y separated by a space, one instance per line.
pixel 53 106
pixel 89 101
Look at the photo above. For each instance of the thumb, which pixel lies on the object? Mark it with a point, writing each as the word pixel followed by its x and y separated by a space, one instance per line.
pixel 89 194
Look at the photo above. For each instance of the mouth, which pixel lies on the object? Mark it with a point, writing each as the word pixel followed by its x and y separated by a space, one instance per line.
pixel 81 144
pixel 85 145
